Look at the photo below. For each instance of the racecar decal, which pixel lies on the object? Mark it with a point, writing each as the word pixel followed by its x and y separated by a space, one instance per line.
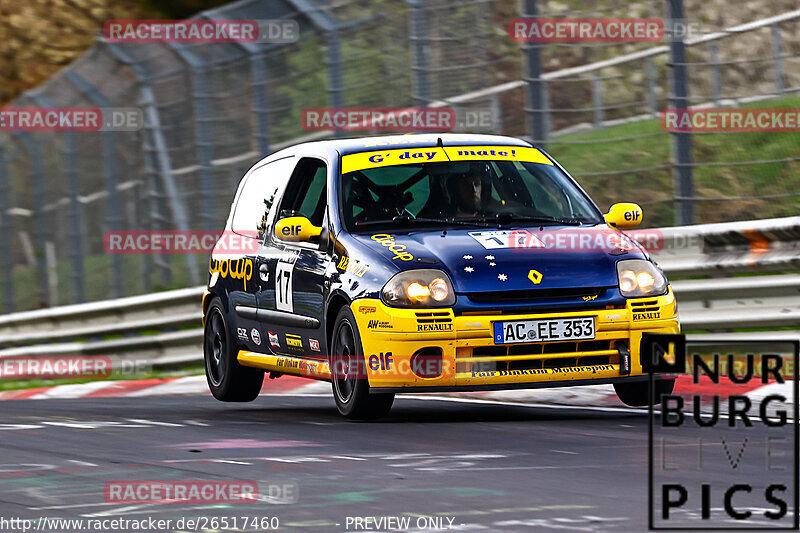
pixel 283 286
pixel 385 158
pixel 273 339
pixel 379 324
pixel 496 153
pixel 313 344
pixel 534 371
pixel 256 336
pixel 496 239
pixel 234 268
pixel 434 154
pixel 354 266
pixel 397 249
pixel 294 341
pixel 653 315
pixel 366 309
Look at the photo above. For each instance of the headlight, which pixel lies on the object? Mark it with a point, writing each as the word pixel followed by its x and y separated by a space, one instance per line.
pixel 426 287
pixel 638 277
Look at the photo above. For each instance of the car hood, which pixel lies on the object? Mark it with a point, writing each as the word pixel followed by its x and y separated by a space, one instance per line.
pixel 479 260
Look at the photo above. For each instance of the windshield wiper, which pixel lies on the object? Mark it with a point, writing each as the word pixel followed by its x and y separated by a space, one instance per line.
pixel 407 219
pixel 507 218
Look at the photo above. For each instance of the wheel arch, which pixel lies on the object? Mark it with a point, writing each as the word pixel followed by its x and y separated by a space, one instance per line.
pixel 337 301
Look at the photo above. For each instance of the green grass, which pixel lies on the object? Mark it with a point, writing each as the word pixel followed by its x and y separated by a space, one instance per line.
pixel 643 145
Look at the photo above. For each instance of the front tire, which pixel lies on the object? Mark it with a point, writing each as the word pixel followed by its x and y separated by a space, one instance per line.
pixel 348 374
pixel 228 380
pixel 637 393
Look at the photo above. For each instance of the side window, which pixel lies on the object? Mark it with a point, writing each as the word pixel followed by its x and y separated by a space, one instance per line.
pixel 305 194
pixel 258 194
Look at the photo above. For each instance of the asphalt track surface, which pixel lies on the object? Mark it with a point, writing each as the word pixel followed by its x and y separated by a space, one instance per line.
pixel 470 466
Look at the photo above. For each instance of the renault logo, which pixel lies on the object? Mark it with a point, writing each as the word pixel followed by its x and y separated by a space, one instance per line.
pixel 535 276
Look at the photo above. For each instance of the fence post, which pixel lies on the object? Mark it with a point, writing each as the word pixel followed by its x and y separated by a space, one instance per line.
pixel 682 172
pixel 6 259
pixel 334 60
pixel 716 82
pixel 113 207
pixel 652 97
pixel 34 151
pixel 418 33
pixel 778 55
pixel 597 93
pixel 162 164
pixel 204 146
pixel 76 238
pixel 258 79
pixel 536 89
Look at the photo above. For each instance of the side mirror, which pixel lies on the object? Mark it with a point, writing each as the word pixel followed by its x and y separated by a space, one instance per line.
pixel 296 229
pixel 624 215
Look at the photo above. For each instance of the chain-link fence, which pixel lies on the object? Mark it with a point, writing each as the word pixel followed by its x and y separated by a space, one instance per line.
pixel 211 110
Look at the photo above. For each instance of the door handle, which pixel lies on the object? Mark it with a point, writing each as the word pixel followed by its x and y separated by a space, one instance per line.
pixel 263 272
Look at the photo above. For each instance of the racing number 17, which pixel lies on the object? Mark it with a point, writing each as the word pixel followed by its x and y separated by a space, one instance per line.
pixel 283 286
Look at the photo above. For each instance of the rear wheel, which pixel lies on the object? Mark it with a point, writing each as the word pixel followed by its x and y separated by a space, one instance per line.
pixel 637 393
pixel 348 375
pixel 228 380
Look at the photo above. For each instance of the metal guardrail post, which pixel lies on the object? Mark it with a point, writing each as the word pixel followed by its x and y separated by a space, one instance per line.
pixel 536 91
pixel 684 189
pixel 113 207
pixel 6 258
pixel 780 81
pixel 418 34
pixel 75 227
pixel 34 150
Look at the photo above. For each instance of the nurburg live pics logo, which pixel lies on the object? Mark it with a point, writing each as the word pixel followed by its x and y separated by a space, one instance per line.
pixel 723 453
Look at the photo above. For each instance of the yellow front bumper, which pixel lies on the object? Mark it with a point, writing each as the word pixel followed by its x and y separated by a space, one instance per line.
pixel 472 361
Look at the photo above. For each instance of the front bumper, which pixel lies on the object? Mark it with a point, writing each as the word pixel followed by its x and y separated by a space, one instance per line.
pixel 470 360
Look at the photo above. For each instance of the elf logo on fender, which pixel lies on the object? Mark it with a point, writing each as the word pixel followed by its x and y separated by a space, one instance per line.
pixel 435 327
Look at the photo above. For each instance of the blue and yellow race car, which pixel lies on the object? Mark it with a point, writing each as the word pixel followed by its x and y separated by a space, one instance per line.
pixel 420 263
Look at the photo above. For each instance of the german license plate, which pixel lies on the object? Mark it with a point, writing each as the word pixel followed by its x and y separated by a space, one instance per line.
pixel 544 330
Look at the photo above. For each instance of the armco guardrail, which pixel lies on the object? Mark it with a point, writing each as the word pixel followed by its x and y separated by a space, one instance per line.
pixel 164 329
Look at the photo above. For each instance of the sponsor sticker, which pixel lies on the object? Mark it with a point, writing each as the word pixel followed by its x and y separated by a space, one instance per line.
pixel 314 344
pixel 256 336
pixel 273 339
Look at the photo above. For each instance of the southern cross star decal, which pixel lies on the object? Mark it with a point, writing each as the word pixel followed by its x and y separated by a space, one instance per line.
pixel 492 264
pixel 490 257
pixel 467 256
pixel 502 277
pixel 469 269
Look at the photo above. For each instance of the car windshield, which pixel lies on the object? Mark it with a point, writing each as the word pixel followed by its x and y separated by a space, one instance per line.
pixel 453 193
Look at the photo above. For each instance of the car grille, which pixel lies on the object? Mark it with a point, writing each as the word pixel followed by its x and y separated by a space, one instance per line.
pixel 535 295
pixel 538 355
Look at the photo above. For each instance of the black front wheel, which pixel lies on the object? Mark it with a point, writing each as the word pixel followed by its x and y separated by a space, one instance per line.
pixel 228 380
pixel 637 393
pixel 348 373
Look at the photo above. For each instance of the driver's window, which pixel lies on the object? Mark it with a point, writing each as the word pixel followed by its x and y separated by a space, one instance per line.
pixel 305 194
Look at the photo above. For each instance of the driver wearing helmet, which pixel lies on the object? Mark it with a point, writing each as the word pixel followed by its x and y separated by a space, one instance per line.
pixel 466 190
